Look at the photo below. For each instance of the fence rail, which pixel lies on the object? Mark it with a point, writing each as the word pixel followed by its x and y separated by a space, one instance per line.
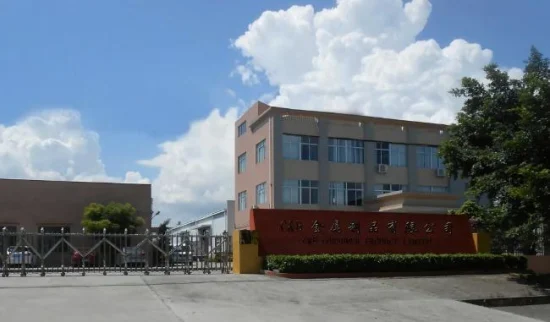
pixel 105 253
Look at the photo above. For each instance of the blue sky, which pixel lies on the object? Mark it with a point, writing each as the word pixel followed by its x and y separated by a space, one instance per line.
pixel 140 71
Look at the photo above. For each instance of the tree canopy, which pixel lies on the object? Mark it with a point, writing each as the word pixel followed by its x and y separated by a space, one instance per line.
pixel 115 217
pixel 500 141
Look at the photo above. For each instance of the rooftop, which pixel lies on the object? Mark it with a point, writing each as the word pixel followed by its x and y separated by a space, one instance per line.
pixel 266 110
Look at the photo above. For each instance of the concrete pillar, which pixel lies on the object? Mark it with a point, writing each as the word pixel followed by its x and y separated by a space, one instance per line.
pixel 323 164
pixel 370 160
pixel 412 169
pixel 277 170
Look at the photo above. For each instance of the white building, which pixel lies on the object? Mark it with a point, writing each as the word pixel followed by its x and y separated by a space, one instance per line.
pixel 214 223
pixel 205 232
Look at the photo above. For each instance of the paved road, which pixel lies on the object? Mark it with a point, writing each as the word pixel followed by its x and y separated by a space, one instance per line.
pixel 226 297
pixel 541 312
pixel 465 287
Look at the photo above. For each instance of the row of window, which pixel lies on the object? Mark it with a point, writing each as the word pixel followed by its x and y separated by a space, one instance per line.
pixel 346 151
pixel 260 157
pixel 301 147
pixel 306 192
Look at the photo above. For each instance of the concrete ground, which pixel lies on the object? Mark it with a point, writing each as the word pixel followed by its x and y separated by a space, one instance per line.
pixel 465 287
pixel 541 312
pixel 242 298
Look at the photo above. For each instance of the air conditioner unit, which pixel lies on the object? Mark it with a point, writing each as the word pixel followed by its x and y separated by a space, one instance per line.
pixel 441 173
pixel 382 168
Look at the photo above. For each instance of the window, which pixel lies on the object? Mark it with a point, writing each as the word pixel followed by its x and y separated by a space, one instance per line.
pixel 300 147
pixel 391 154
pixel 426 157
pixel 241 129
pixel 346 193
pixel 388 187
pixel 260 194
pixel 260 151
pixel 346 150
pixel 242 200
pixel 303 192
pixel 242 163
pixel 434 189
pixel 52 236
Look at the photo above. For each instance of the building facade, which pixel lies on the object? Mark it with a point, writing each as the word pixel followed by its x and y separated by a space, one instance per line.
pixel 295 159
pixel 215 223
pixel 34 204
pixel 206 232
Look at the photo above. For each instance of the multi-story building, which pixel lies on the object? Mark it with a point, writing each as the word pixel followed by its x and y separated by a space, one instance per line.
pixel 297 159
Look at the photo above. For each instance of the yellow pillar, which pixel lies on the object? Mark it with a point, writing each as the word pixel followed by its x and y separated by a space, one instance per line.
pixel 482 242
pixel 245 253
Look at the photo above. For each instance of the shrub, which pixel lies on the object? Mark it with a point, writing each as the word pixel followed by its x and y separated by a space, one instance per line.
pixel 366 263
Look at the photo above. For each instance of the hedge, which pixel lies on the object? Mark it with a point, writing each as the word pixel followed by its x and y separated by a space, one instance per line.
pixel 367 263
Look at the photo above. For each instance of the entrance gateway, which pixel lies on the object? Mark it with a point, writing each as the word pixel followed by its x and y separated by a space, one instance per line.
pixel 47 254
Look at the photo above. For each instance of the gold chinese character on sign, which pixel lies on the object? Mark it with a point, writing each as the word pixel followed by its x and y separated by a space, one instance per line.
pixel 448 228
pixel 373 228
pixel 410 227
pixel 392 226
pixel 429 228
pixel 287 226
pixel 299 226
pixel 316 226
pixel 354 227
pixel 335 228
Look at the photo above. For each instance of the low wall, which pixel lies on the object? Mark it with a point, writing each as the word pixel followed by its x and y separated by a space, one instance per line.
pixel 304 232
pixel 538 264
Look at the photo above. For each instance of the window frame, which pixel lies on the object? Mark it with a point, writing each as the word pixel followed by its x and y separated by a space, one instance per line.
pixel 260 151
pixel 344 188
pixel 242 158
pixel 242 199
pixel 433 189
pixel 380 188
pixel 431 153
pixel 241 129
pixel 297 189
pixel 263 193
pixel 294 145
pixel 391 150
pixel 353 150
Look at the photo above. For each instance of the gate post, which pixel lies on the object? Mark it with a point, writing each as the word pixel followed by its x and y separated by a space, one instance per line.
pixel 23 252
pixel 5 272
pixel 104 251
pixel 125 248
pixel 42 268
pixel 166 250
pixel 245 252
pixel 62 251
pixel 147 234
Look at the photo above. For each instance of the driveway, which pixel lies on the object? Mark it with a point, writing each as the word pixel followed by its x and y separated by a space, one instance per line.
pixel 227 297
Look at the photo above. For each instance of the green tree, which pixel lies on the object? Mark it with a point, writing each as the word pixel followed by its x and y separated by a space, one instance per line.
pixel 115 217
pixel 500 142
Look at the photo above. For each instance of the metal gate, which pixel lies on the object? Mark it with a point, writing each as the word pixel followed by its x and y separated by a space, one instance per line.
pixel 46 253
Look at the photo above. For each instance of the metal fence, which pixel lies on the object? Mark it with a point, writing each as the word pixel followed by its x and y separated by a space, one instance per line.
pixel 45 253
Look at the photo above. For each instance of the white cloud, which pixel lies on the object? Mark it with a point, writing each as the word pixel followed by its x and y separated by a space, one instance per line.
pixel 53 145
pixel 135 177
pixel 362 56
pixel 248 76
pixel 196 169
pixel 231 93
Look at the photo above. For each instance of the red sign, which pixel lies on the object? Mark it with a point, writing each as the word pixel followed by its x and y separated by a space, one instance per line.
pixel 329 232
